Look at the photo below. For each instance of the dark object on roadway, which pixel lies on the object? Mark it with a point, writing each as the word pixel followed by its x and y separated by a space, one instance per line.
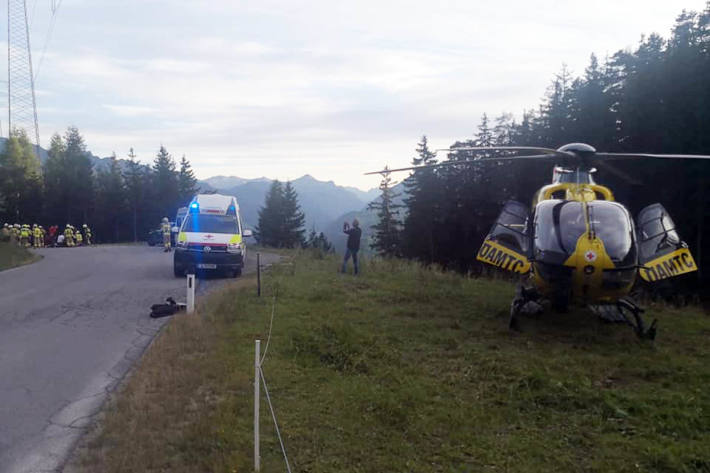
pixel 155 237
pixel 163 310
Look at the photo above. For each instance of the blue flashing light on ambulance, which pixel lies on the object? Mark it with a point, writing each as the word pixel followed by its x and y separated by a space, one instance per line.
pixel 211 237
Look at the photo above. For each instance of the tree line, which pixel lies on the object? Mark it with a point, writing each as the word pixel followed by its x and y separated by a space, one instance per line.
pixel 654 98
pixel 121 201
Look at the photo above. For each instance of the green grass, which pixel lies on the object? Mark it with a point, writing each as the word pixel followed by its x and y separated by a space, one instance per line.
pixel 408 370
pixel 12 256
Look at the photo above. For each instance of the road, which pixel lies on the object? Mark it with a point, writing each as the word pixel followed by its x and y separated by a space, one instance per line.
pixel 71 325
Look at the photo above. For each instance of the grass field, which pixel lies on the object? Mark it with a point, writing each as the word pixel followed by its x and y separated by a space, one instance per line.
pixel 408 370
pixel 12 256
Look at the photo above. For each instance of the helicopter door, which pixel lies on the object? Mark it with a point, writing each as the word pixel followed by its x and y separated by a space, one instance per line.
pixel 508 241
pixel 662 254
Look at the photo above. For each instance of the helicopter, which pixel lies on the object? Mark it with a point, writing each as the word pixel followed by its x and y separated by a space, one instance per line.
pixel 576 245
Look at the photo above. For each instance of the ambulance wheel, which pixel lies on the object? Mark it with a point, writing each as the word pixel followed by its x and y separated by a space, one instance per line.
pixel 237 272
pixel 179 272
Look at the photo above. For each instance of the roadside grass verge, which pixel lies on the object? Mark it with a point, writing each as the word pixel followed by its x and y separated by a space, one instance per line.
pixel 406 369
pixel 12 256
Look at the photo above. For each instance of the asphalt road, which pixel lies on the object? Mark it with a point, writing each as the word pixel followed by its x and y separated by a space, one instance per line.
pixel 71 325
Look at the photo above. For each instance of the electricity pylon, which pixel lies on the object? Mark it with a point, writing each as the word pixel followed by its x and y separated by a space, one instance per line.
pixel 21 105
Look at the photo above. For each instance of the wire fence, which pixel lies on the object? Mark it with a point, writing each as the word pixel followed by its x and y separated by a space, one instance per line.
pixel 259 374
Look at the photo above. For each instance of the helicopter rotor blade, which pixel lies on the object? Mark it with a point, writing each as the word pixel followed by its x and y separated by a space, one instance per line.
pixel 535 149
pixel 618 172
pixel 546 157
pixel 616 156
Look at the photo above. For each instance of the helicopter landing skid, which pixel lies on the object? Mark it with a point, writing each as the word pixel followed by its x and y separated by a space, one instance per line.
pixel 621 312
pixel 524 303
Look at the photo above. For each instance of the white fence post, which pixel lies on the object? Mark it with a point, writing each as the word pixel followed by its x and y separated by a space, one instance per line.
pixel 257 375
pixel 190 293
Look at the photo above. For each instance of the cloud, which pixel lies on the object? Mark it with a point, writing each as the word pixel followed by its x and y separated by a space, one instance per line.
pixel 329 88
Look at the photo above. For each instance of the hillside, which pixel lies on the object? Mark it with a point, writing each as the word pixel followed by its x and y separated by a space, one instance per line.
pixel 406 369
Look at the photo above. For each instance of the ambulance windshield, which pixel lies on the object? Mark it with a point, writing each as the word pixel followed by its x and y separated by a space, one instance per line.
pixel 207 223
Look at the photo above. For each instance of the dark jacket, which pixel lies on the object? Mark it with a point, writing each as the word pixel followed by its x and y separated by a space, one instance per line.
pixel 354 235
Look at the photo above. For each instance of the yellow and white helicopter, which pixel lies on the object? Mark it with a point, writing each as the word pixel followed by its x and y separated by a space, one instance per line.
pixel 577 245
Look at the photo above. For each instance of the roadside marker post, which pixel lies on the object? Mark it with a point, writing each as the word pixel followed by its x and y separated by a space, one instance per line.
pixel 257 375
pixel 258 275
pixel 190 293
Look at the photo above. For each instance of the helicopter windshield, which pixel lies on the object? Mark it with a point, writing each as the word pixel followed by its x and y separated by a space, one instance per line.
pixel 558 226
pixel 612 224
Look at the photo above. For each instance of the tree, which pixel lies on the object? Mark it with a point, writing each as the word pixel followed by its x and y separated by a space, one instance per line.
pixel 78 177
pixel 20 180
pixel 422 201
pixel 136 178
pixel 165 188
pixel 268 230
pixel 293 219
pixel 110 200
pixel 187 182
pixel 318 241
pixel 387 236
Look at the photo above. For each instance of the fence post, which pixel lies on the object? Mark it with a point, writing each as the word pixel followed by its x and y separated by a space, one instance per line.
pixel 257 375
pixel 258 275
pixel 190 293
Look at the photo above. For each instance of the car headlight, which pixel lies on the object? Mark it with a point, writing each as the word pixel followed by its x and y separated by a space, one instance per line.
pixel 181 245
pixel 234 248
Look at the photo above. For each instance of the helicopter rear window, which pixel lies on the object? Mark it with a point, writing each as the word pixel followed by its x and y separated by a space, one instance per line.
pixel 611 223
pixel 558 226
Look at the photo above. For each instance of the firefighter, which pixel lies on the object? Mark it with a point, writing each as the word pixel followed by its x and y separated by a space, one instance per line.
pixel 25 236
pixel 16 234
pixel 87 234
pixel 36 235
pixel 5 233
pixel 68 235
pixel 165 227
pixel 43 241
pixel 79 239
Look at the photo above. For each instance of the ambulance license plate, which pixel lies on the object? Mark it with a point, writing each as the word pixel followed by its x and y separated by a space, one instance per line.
pixel 207 266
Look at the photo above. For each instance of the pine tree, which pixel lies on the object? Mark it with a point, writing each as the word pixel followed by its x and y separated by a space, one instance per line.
pixel 164 189
pixel 187 182
pixel 422 201
pixel 293 219
pixel 110 200
pixel 78 177
pixel 268 230
pixel 136 181
pixel 387 236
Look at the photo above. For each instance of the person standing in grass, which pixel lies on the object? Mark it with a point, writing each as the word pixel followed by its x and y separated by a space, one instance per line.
pixel 353 246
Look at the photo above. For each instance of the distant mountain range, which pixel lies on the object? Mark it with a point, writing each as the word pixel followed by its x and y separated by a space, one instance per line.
pixel 322 202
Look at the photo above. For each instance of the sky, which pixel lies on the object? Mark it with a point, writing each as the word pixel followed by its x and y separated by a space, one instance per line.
pixel 326 87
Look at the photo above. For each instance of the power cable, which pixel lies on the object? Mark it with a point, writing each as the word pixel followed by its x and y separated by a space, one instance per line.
pixel 55 8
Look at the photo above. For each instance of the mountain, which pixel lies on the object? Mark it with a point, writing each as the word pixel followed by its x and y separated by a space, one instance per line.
pixel 321 201
pixel 225 182
pixel 365 196
pixel 367 218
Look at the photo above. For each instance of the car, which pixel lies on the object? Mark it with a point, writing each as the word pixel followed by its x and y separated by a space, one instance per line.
pixel 155 237
pixel 211 237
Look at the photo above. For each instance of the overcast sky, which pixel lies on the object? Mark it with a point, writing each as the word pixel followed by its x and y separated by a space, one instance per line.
pixel 329 88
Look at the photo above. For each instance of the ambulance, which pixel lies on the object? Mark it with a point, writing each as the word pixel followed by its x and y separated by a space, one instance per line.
pixel 211 237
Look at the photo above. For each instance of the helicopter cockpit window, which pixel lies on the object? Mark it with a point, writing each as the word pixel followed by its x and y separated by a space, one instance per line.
pixel 611 223
pixel 656 232
pixel 558 226
pixel 511 227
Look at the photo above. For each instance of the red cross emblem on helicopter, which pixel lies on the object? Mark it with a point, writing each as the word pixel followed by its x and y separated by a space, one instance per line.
pixel 590 256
